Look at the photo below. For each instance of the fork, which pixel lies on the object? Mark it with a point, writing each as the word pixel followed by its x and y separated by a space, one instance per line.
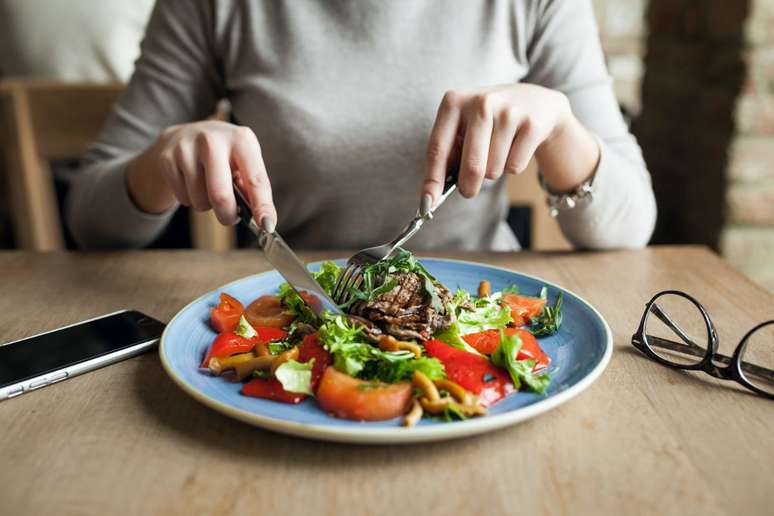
pixel 351 277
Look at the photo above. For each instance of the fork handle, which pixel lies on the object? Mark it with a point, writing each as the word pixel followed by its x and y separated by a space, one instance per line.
pixel 449 186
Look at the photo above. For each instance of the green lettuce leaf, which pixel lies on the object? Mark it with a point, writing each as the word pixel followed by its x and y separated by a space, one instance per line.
pixel 519 370
pixel 244 329
pixel 354 355
pixel 474 315
pixel 326 277
pixel 295 376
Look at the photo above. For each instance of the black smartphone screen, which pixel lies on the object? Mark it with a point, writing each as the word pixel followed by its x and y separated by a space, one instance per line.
pixel 55 350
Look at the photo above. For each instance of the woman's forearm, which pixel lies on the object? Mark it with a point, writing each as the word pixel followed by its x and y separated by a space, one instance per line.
pixel 568 157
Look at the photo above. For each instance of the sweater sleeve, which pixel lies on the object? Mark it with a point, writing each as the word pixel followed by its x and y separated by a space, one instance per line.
pixel 176 80
pixel 565 54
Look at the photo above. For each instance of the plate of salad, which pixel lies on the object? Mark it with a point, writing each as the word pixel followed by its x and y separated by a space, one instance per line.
pixel 427 349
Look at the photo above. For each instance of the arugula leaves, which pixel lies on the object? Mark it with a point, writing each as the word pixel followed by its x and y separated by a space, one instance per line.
pixel 355 356
pixel 549 320
pixel 377 278
pixel 519 370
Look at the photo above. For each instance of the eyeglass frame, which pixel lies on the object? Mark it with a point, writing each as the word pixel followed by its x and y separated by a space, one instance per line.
pixel 731 371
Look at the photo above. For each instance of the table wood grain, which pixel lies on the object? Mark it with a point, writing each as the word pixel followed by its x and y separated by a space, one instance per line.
pixel 643 439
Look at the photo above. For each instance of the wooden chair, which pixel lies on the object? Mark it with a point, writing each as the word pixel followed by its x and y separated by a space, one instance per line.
pixel 44 121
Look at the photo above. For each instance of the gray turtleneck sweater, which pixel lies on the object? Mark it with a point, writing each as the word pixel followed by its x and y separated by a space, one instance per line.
pixel 342 95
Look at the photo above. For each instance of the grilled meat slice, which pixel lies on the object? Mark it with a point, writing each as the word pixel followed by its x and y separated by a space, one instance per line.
pixel 406 311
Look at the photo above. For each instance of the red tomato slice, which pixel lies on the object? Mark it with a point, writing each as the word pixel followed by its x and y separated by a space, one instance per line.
pixel 225 316
pixel 523 308
pixel 487 342
pixel 268 311
pixel 268 334
pixel 473 372
pixel 270 389
pixel 312 348
pixel 349 398
pixel 227 344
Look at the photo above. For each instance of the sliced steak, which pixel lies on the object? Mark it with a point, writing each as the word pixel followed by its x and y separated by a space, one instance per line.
pixel 406 311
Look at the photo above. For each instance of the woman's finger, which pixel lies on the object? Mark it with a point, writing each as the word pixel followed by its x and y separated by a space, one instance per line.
pixel 503 133
pixel 188 165
pixel 527 140
pixel 174 177
pixel 246 153
pixel 214 157
pixel 475 149
pixel 441 144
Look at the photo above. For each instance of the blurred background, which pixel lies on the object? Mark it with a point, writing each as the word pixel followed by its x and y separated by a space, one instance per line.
pixel 694 77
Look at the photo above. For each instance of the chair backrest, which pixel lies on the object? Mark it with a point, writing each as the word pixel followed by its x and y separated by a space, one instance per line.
pixel 44 121
pixel 48 120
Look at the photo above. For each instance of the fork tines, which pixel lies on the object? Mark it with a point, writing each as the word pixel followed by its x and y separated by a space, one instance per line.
pixel 349 278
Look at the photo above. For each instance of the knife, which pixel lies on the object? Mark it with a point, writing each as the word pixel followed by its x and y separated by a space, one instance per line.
pixel 282 257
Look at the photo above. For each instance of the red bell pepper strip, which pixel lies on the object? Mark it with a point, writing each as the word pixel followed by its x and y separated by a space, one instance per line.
pixel 312 348
pixel 488 341
pixel 473 372
pixel 226 344
pixel 268 334
pixel 270 389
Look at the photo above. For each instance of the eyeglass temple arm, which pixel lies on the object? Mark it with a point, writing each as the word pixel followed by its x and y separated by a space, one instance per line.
pixel 673 325
pixel 698 352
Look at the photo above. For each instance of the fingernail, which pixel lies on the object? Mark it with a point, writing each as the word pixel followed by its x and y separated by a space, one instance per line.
pixel 268 224
pixel 426 204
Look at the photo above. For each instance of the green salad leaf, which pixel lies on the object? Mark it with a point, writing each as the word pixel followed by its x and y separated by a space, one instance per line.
pixel 519 370
pixel 326 277
pixel 354 355
pixel 245 329
pixel 377 278
pixel 474 315
pixel 295 376
pixel 549 320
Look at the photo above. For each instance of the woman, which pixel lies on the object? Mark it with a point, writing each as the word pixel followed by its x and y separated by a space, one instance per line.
pixel 336 131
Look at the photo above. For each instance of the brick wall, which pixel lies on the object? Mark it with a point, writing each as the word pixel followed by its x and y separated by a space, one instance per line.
pixel 622 30
pixel 699 77
pixel 747 239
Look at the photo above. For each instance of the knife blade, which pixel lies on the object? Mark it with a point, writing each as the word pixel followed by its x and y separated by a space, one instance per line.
pixel 282 257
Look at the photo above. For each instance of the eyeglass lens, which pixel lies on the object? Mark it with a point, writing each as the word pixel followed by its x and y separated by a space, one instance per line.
pixel 758 358
pixel 676 331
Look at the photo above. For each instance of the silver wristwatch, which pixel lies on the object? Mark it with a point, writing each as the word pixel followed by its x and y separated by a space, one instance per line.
pixel 557 202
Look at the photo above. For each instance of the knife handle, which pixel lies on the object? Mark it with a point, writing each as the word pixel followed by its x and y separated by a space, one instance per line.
pixel 246 216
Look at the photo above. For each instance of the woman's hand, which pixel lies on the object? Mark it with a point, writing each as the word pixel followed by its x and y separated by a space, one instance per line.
pixel 499 129
pixel 195 164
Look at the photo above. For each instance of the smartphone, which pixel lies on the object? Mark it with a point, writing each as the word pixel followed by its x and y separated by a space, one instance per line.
pixel 53 356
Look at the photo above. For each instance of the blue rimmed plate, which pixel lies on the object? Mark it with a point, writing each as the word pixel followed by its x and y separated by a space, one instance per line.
pixel 579 353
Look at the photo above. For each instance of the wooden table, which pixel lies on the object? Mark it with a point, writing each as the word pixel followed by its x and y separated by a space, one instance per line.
pixel 642 440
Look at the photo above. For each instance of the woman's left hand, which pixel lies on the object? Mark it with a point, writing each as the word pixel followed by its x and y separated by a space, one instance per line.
pixel 499 129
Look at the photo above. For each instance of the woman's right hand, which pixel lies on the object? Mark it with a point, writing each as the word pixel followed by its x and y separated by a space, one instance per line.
pixel 196 164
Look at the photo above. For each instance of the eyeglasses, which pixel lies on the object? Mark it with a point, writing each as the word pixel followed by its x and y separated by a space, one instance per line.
pixel 676 331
